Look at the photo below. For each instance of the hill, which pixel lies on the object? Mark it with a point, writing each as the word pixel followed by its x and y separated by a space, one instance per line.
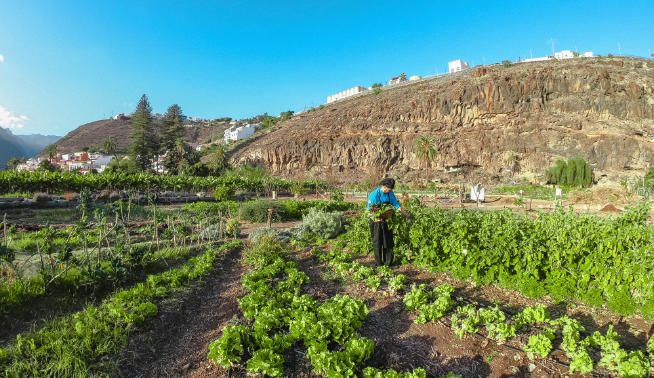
pixel 488 124
pixel 93 134
pixel 35 143
pixel 10 146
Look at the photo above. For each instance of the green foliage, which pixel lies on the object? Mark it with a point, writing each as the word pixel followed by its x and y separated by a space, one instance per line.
pixel 231 347
pixel 371 372
pixel 465 320
pixel 575 172
pixel 81 343
pixel 326 225
pixel 233 227
pixel 266 362
pixel 287 210
pixel 540 344
pixel 143 140
pixel 567 255
pixel 40 181
pixel 172 128
pixel 430 305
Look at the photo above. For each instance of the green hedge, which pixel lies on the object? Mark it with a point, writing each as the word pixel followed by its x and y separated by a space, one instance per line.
pixel 288 210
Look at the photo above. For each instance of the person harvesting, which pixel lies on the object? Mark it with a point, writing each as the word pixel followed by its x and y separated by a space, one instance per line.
pixel 381 203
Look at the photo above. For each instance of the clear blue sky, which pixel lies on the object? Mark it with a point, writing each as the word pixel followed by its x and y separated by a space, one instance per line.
pixel 64 63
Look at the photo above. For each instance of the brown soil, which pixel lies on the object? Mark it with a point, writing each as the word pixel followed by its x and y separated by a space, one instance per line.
pixel 609 208
pixel 177 344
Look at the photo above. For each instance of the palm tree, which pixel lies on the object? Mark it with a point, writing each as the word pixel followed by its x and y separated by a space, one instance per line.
pixel 426 149
pixel 51 151
pixel 109 147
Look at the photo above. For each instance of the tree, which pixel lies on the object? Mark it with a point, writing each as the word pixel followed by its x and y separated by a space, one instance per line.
pixel 124 165
pixel 376 85
pixel 46 165
pixel 283 116
pixel 109 146
pixel 12 163
pixel 426 149
pixel 575 172
pixel 180 158
pixel 173 128
pixel 218 159
pixel 143 145
pixel 51 151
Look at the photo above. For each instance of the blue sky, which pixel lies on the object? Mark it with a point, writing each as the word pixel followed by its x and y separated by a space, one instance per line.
pixel 64 63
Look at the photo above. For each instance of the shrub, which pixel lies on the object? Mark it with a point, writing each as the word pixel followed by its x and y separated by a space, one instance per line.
pixel 223 192
pixel 262 232
pixel 233 228
pixel 575 172
pixel 325 224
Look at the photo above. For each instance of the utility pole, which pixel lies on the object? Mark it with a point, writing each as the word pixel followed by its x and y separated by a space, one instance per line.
pixel 619 49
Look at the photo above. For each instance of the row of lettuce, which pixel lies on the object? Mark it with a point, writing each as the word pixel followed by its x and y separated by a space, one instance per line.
pixel 277 316
pixel 567 256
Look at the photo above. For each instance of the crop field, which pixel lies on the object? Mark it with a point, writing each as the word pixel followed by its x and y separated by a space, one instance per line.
pixel 208 289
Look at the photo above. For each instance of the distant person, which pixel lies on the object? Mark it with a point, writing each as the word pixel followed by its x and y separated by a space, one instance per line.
pixel 382 236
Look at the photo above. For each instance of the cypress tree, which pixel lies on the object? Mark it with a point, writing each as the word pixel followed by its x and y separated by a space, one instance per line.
pixel 143 146
pixel 172 128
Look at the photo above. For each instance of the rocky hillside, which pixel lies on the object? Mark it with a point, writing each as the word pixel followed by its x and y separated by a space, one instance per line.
pixel 491 123
pixel 95 133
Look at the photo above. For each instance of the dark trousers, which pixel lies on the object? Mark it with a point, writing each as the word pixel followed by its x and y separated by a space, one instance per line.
pixel 382 242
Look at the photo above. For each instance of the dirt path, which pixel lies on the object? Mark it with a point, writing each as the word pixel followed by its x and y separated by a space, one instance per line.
pixel 177 345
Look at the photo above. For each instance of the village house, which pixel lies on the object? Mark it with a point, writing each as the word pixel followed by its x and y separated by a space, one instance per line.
pixel 397 79
pixel 457 66
pixel 236 132
pixel 346 93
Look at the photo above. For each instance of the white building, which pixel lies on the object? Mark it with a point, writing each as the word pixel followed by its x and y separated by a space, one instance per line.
pixel 539 59
pixel 239 132
pixel 100 162
pixel 564 54
pixel 457 66
pixel 397 79
pixel 346 93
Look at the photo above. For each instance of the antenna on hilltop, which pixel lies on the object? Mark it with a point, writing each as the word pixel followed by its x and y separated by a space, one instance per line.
pixel 619 49
pixel 552 42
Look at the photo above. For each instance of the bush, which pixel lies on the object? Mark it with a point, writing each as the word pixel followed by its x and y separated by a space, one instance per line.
pixel 575 172
pixel 337 195
pixel 223 192
pixel 257 211
pixel 264 249
pixel 324 224
pixel 233 228
pixel 262 232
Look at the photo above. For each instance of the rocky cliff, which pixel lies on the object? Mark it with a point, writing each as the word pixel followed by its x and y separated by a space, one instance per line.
pixel 492 122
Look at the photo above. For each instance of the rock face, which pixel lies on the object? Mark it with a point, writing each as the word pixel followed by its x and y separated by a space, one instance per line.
pixel 486 121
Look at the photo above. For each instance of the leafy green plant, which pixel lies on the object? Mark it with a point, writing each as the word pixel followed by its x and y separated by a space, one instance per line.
pixel 231 347
pixel 540 344
pixel 266 362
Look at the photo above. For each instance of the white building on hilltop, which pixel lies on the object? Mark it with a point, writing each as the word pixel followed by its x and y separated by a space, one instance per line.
pixel 346 93
pixel 236 132
pixel 457 66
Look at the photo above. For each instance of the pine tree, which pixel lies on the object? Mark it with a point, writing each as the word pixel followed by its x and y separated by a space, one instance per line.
pixel 172 128
pixel 143 145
